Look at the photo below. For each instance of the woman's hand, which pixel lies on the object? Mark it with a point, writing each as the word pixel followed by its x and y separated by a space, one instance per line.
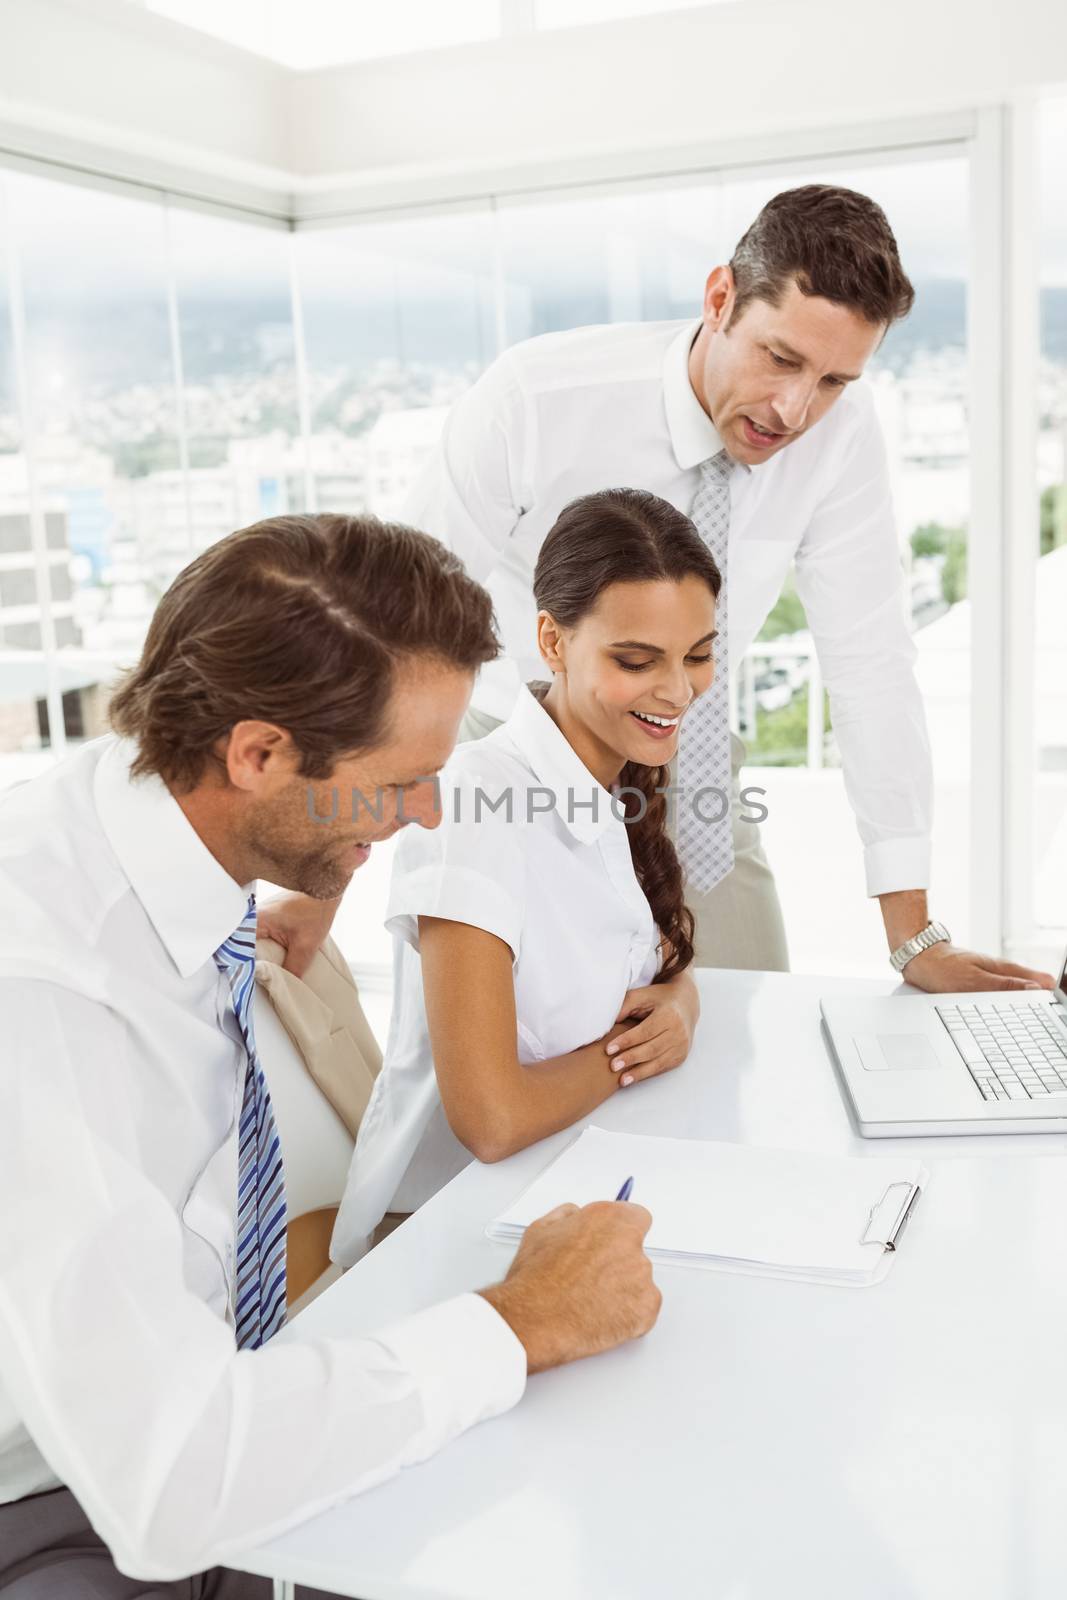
pixel 300 924
pixel 667 1014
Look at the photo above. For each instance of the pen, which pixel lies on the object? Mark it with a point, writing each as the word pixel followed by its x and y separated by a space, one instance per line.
pixel 626 1191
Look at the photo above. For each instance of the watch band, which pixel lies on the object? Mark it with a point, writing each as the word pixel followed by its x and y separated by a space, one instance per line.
pixel 933 933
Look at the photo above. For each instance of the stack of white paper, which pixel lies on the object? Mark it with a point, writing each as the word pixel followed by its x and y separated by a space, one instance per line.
pixel 787 1213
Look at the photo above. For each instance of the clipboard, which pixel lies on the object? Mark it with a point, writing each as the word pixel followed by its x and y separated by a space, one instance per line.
pixel 739 1208
pixel 890 1215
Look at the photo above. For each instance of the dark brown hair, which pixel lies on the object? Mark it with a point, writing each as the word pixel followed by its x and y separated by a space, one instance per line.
pixel 630 536
pixel 300 621
pixel 830 242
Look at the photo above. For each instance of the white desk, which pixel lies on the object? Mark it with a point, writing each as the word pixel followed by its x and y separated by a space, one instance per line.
pixel 768 1440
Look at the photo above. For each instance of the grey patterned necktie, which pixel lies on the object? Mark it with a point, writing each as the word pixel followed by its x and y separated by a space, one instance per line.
pixel 706 847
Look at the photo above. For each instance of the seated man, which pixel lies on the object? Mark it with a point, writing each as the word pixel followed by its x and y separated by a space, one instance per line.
pixel 300 684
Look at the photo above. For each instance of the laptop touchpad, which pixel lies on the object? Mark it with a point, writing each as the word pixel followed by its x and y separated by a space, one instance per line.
pixel 896 1052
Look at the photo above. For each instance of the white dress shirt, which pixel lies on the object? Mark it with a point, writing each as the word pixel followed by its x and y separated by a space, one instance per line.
pixel 557 884
pixel 120 1079
pixel 608 407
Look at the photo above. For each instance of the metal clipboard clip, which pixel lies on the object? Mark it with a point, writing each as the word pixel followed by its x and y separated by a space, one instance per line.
pixel 896 1211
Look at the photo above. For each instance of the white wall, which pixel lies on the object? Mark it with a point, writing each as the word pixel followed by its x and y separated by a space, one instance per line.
pixel 693 79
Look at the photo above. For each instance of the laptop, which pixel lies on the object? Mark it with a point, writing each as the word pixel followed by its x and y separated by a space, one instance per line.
pixel 953 1063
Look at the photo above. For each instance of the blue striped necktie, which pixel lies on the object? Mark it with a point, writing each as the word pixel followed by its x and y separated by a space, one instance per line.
pixel 260 1297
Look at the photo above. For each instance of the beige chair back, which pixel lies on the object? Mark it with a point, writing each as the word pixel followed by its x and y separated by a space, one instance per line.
pixel 323 1017
pixel 320 1058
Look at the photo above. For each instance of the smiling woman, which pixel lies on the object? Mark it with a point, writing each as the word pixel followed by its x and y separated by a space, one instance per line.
pixel 566 918
pixel 614 563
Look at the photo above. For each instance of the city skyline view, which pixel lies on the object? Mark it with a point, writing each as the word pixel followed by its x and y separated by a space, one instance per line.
pixel 170 401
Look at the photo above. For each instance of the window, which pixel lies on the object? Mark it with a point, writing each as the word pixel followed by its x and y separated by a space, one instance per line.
pixel 240 415
pixel 399 318
pixel 1050 616
pixel 100 401
pixel 23 740
pixel 581 13
pixel 322 33
pixel 137 471
pixel 172 396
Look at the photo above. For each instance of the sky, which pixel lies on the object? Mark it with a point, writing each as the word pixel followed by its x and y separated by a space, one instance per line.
pixel 555 239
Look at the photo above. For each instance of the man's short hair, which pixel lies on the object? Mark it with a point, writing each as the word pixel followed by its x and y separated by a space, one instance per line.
pixel 300 621
pixel 830 242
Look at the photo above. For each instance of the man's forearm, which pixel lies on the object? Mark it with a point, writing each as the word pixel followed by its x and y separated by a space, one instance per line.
pixel 904 913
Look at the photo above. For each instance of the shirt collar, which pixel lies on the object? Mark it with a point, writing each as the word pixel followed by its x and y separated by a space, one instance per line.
pixel 190 898
pixel 694 437
pixel 556 766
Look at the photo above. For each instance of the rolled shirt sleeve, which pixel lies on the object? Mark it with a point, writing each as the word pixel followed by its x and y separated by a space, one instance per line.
pixel 471 869
pixel 182 1449
pixel 851 583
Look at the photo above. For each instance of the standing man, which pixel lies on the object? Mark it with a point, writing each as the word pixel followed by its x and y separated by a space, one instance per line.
pixel 755 422
pixel 151 1426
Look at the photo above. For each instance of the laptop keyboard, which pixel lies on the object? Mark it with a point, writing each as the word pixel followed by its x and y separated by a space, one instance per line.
pixel 1013 1052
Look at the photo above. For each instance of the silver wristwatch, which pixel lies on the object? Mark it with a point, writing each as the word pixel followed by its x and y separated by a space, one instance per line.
pixel 933 933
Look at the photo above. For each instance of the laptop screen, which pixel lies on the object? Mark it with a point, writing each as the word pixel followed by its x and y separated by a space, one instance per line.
pixel 1061 986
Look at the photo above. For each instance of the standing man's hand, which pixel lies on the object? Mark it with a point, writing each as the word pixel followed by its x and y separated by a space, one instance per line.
pixel 300 924
pixel 945 970
pixel 580 1283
